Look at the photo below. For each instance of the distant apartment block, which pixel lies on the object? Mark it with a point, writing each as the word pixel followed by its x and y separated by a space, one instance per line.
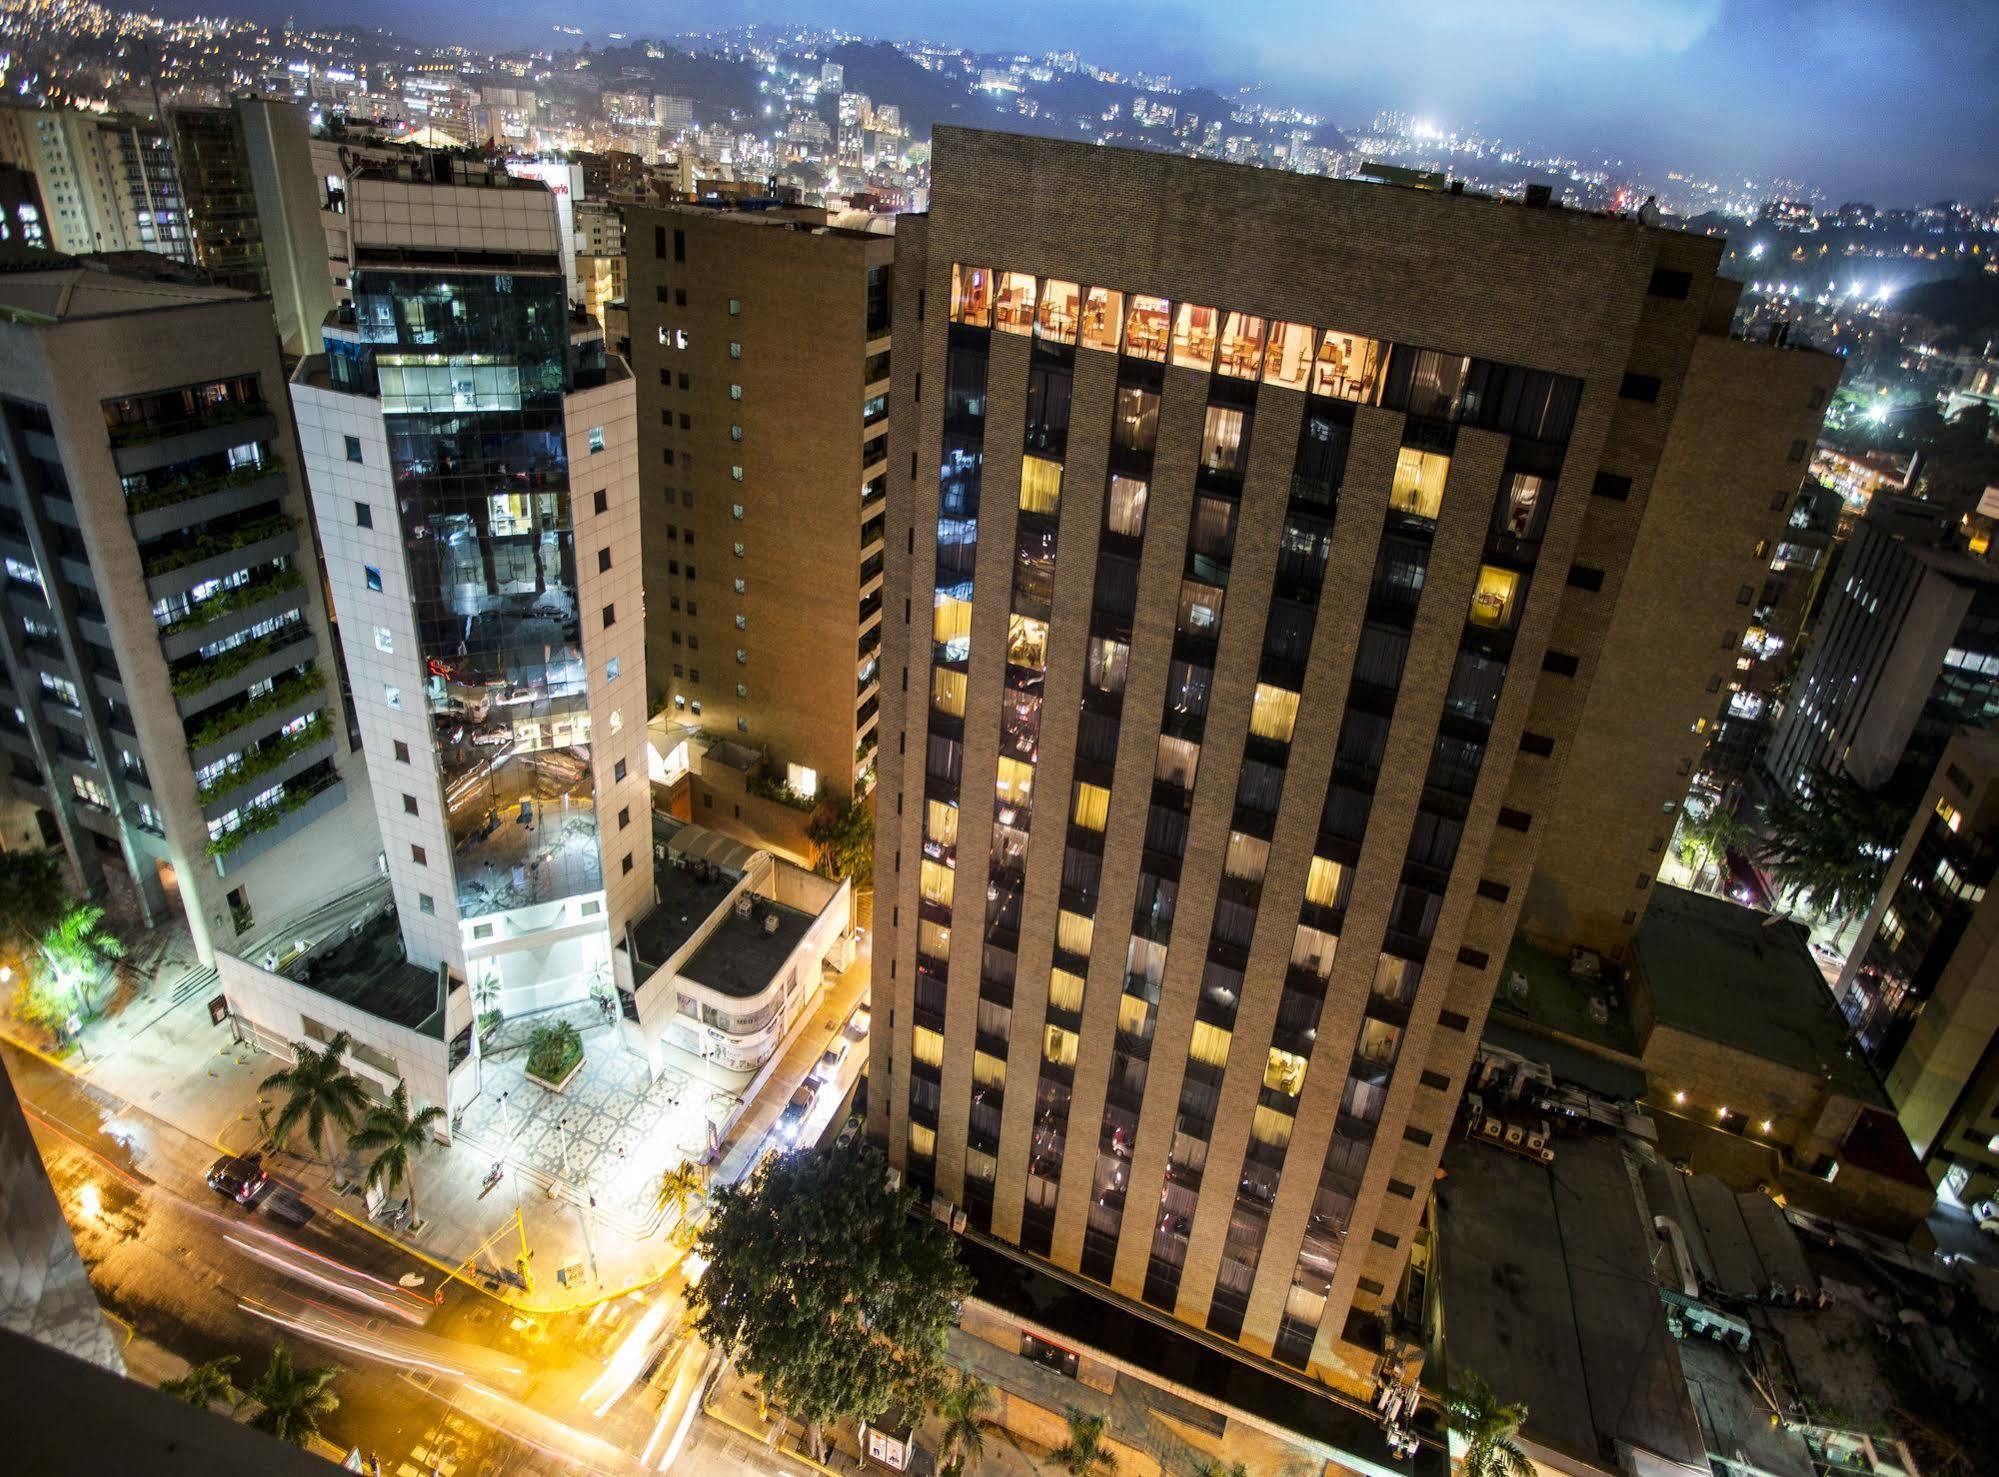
pixel 1257 547
pixel 108 180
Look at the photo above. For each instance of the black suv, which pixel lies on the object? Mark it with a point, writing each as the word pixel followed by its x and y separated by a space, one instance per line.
pixel 239 1176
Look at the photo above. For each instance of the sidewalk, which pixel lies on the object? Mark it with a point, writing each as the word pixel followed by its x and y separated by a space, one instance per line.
pixel 158 1050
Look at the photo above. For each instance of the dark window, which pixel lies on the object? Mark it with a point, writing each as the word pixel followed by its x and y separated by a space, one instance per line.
pixel 425 903
pixel 1401 1191
pixel 659 293
pixel 1797 453
pixel 618 770
pixel 1667 282
pixel 1639 387
pixel 1583 577
pixel 680 246
pixel 364 516
pixel 1611 485
pixel 373 576
pixel 1560 663
pixel 353 448
pixel 1418 1136
pixel 610 615
pixel 603 560
pixel 1368 1285
pixel 1385 1238
pixel 624 816
pixel 1436 1081
pixel 409 805
pixel 1497 891
pixel 1514 820
pixel 1474 958
pixel 1450 1020
pixel 1537 743
pixel 659 242
pixel 417 856
pixel 1744 595
pixel 680 297
pixel 626 866
pixel 601 500
pixel 402 751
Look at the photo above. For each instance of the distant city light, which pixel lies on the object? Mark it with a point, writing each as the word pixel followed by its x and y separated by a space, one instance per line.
pixel 1756 251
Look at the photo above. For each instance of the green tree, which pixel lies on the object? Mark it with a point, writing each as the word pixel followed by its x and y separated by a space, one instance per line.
pixel 202 1385
pixel 1488 1428
pixel 293 1399
pixel 963 1406
pixel 32 900
pixel 1086 1452
pixel 1216 1467
pixel 823 1286
pixel 1709 837
pixel 78 951
pixel 395 1134
pixel 845 837
pixel 678 1186
pixel 319 1093
pixel 1832 844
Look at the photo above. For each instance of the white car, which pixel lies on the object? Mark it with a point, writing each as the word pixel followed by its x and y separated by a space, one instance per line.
pixel 829 1064
pixel 858 1023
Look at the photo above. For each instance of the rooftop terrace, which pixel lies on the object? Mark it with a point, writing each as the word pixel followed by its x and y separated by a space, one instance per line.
pixel 741 957
pixel 366 968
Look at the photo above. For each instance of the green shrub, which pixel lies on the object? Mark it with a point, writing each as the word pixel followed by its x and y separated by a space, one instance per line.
pixel 553 1050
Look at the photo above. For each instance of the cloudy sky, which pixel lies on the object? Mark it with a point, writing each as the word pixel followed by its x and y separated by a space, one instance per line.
pixel 1895 100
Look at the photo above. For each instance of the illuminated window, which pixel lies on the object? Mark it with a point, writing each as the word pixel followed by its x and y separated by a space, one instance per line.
pixel 1494 597
pixel 1147 327
pixel 1093 806
pixel 933 939
pixel 1014 784
pixel 1288 359
pixel 1194 335
pixel 1126 514
pixel 947 691
pixel 1419 482
pixel 1892 928
pixel 1520 505
pixel 1313 949
pixel 1221 440
pixel 1349 367
pixel 1073 933
pixel 926 1046
pixel 1065 991
pixel 1176 761
pixel 922 1139
pixel 1016 302
pixel 1056 317
pixel 940 824
pixel 937 882
pixel 1242 346
pixel 1040 485
pixel 951 627
pixel 1200 609
pixel 1949 814
pixel 1284 1072
pixel 1209 1046
pixel 1026 642
pixel 1103 312
pixel 972 295
pixel 1325 882
pixel 1131 1013
pixel 1106 663
pixel 1270 1127
pixel 1058 1047
pixel 1273 712
pixel 988 1070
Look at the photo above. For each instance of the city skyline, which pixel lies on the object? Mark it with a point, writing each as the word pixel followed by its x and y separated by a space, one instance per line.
pixel 1718 86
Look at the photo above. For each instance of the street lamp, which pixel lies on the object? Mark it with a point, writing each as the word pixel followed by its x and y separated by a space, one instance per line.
pixel 562 1137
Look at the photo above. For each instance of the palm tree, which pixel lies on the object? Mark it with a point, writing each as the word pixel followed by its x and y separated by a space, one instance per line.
pixel 1084 1453
pixel 963 1406
pixel 678 1186
pixel 395 1134
pixel 1832 843
pixel 1705 839
pixel 319 1092
pixel 293 1399
pixel 1216 1467
pixel 1488 1428
pixel 77 950
pixel 202 1385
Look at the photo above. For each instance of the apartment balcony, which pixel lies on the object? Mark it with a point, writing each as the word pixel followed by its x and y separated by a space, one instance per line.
pixel 215 737
pixel 147 446
pixel 207 682
pixel 238 610
pixel 296 815
pixel 268 766
pixel 204 500
pixel 176 571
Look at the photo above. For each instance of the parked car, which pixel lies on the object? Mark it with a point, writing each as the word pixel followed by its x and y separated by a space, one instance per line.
pixel 239 1176
pixel 828 1068
pixel 858 1023
pixel 792 1120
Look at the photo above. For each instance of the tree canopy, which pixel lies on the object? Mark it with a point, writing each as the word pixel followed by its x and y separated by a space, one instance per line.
pixel 32 898
pixel 1832 844
pixel 1488 1427
pixel 845 837
pixel 826 1288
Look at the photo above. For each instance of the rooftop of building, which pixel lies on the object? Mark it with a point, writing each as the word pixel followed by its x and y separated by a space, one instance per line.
pixel 1548 1293
pixel 1744 979
pixel 746 951
pixel 49 287
pixel 1540 991
pixel 367 968
pixel 689 892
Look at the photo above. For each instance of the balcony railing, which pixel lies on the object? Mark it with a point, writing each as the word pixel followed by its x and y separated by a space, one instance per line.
pixel 138 433
pixel 210 545
pixel 266 759
pixel 185 489
pixel 285 694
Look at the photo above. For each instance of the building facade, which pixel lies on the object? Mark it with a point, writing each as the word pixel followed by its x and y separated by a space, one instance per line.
pixel 1921 988
pixel 1905 650
pixel 1220 861
pixel 470 450
pixel 172 711
pixel 760 344
pixel 108 181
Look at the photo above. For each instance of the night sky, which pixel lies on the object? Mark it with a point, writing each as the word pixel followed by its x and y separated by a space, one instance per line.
pixel 1896 101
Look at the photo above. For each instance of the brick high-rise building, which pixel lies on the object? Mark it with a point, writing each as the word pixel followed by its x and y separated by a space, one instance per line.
pixel 1253 539
pixel 760 344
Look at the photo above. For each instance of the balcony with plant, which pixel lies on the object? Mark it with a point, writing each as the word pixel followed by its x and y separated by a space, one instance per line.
pixel 272 755
pixel 204 672
pixel 210 545
pixel 255 820
pixel 237 597
pixel 216 725
pixel 185 488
